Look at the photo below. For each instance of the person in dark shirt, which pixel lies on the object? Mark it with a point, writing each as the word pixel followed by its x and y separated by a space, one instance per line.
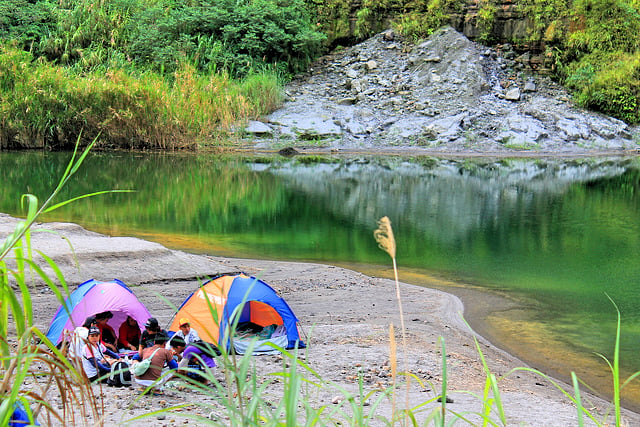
pixel 160 357
pixel 148 336
pixel 107 334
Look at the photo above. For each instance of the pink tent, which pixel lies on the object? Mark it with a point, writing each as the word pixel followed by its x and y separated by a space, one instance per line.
pixel 93 297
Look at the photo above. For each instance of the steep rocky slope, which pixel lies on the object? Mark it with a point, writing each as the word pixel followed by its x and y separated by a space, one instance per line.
pixel 446 94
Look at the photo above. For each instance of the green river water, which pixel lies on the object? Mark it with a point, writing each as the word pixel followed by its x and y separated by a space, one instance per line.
pixel 533 246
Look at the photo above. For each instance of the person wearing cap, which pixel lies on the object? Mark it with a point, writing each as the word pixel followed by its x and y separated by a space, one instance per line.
pixel 96 358
pixel 187 332
pixel 151 328
pixel 160 357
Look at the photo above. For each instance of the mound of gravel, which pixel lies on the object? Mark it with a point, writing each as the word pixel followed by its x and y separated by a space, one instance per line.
pixel 446 94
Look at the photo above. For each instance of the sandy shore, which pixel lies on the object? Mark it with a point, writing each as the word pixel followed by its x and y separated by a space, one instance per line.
pixel 344 316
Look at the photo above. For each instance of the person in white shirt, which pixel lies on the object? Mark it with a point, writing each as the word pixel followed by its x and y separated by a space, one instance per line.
pixel 96 358
pixel 78 338
pixel 186 332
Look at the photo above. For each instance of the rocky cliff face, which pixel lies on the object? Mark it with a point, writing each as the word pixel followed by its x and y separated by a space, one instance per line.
pixel 446 94
pixel 509 22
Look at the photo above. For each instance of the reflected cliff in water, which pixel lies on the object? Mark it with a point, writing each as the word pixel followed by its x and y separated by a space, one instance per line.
pixel 446 200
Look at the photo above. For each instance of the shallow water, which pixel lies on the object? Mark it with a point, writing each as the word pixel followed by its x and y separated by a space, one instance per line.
pixel 553 237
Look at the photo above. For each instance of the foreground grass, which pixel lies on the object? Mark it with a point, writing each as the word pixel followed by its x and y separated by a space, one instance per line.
pixel 244 395
pixel 42 105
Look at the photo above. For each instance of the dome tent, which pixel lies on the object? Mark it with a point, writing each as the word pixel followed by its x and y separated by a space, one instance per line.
pixel 92 297
pixel 210 309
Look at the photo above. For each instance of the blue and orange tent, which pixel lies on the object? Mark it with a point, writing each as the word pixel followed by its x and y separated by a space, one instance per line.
pixel 211 307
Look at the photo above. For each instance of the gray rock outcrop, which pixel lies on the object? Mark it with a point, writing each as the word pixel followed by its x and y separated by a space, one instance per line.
pixel 445 94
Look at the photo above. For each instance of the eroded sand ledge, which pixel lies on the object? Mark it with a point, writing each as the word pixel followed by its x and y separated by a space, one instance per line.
pixel 343 314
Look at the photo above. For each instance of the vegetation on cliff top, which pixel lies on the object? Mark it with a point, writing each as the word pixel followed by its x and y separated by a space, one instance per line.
pixel 591 45
pixel 174 73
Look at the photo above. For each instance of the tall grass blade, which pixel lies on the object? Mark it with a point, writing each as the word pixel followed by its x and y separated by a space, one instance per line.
pixel 576 388
pixel 84 196
pixel 443 394
pixel 615 367
pixel 497 399
pixel 393 363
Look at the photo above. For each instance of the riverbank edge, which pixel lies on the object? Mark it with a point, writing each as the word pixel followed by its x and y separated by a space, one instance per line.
pixel 322 296
pixel 295 150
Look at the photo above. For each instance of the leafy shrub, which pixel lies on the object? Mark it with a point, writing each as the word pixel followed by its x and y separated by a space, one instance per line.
pixel 239 37
pixel 604 25
pixel 90 33
pixel 547 20
pixel 425 18
pixel 26 22
pixel 486 20
pixel 609 83
pixel 602 57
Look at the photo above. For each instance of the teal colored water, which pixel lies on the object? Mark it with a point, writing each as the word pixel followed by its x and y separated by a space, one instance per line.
pixel 557 235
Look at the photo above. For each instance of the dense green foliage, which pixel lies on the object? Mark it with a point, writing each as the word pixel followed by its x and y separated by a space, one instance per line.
pixel 144 73
pixel 171 73
pixel 26 22
pixel 237 37
pixel 602 56
pixel 230 35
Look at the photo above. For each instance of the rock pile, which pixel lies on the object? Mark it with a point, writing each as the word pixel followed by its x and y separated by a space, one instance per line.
pixel 445 94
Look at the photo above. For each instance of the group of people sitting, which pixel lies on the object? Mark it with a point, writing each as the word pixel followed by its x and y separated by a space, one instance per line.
pixel 97 345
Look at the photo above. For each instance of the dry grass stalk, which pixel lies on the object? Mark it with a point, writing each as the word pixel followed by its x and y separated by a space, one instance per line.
pixel 387 242
pixel 393 362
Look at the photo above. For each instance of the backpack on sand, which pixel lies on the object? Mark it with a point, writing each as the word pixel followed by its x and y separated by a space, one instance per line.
pixel 120 375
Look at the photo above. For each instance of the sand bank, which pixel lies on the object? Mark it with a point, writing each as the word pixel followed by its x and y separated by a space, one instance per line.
pixel 344 316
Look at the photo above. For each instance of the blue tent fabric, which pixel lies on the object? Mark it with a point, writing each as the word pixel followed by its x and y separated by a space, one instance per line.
pixel 20 417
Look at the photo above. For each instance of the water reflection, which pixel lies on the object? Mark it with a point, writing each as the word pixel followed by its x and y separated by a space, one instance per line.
pixel 555 234
pixel 447 200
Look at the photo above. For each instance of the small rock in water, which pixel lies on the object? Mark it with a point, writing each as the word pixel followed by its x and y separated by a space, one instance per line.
pixel 288 152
